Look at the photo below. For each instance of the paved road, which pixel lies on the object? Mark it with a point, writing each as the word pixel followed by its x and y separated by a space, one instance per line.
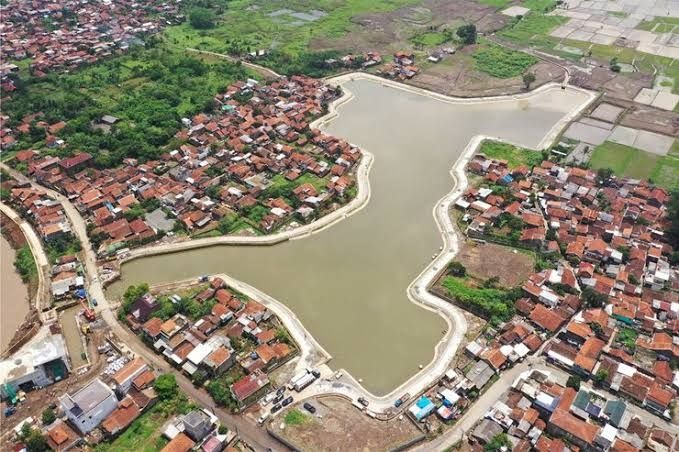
pixel 479 409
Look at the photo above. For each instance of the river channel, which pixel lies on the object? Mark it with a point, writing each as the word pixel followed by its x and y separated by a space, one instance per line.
pixel 14 304
pixel 347 284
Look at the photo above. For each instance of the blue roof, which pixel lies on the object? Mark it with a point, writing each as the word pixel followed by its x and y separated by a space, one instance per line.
pixel 423 402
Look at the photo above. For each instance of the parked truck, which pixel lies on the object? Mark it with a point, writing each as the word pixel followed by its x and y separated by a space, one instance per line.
pixel 305 381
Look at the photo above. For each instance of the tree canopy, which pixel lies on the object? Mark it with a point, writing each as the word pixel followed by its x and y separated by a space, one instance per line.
pixel 467 33
pixel 202 18
pixel 166 386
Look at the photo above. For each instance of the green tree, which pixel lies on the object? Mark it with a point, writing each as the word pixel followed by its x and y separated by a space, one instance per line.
pixel 603 176
pixel 33 439
pixel 528 79
pixel 592 298
pixel 601 376
pixel 131 295
pixel 166 386
pixel 455 268
pixel 574 382
pixel 202 18
pixel 48 416
pixel 467 33
pixel 498 442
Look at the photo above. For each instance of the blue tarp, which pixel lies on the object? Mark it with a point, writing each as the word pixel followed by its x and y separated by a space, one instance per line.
pixel 80 293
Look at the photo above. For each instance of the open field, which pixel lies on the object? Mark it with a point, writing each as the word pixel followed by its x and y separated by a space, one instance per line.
pixel 513 155
pixel 631 162
pixel 484 261
pixel 343 427
pixel 501 62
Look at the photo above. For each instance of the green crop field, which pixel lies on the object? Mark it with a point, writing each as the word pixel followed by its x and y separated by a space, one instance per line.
pixel 632 162
pixel 500 62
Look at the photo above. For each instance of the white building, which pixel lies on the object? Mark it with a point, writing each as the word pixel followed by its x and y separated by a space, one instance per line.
pixel 36 365
pixel 89 406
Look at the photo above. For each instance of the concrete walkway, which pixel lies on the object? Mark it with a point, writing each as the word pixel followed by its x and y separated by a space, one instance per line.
pixel 42 295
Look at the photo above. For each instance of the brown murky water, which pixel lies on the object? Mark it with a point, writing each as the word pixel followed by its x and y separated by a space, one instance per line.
pixel 14 303
pixel 348 283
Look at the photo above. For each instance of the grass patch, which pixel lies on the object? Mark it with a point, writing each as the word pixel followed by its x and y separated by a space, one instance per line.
pixel 514 156
pixel 296 417
pixel 262 30
pixel 144 434
pixel 25 264
pixel 533 30
pixel 539 5
pixel 500 62
pixel 623 160
pixel 632 162
pixel 431 39
pixel 494 304
pixel 495 3
pixel 665 24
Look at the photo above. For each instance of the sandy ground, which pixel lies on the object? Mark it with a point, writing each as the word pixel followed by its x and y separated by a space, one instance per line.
pixel 344 427
pixel 485 261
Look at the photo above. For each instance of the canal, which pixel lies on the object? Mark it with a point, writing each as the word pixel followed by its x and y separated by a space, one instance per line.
pixel 348 283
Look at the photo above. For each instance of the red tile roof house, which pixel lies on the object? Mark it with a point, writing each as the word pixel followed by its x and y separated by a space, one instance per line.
pixel 244 389
pixel 564 424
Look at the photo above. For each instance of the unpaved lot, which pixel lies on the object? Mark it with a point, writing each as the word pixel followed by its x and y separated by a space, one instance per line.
pixel 488 260
pixel 343 427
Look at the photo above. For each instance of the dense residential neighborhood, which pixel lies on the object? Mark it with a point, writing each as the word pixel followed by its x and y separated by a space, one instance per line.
pixel 253 159
pixel 407 225
pixel 66 35
pixel 212 333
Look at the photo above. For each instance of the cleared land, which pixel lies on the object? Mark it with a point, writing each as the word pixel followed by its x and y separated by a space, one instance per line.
pixel 631 162
pixel 484 261
pixel 342 427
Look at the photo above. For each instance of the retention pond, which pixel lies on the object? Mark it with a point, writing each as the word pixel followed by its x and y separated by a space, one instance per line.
pixel 347 284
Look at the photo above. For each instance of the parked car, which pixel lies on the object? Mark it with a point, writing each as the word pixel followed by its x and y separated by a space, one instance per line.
pixel 309 407
pixel 275 408
pixel 280 391
pixel 398 403
pixel 278 398
pixel 316 373
pixel 287 401
pixel 363 401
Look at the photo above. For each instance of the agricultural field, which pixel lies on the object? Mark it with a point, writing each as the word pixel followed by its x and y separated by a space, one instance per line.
pixel 660 24
pixel 501 62
pixel 631 162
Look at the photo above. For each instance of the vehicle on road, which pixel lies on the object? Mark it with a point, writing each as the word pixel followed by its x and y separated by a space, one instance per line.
pixel 287 401
pixel 262 418
pixel 309 407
